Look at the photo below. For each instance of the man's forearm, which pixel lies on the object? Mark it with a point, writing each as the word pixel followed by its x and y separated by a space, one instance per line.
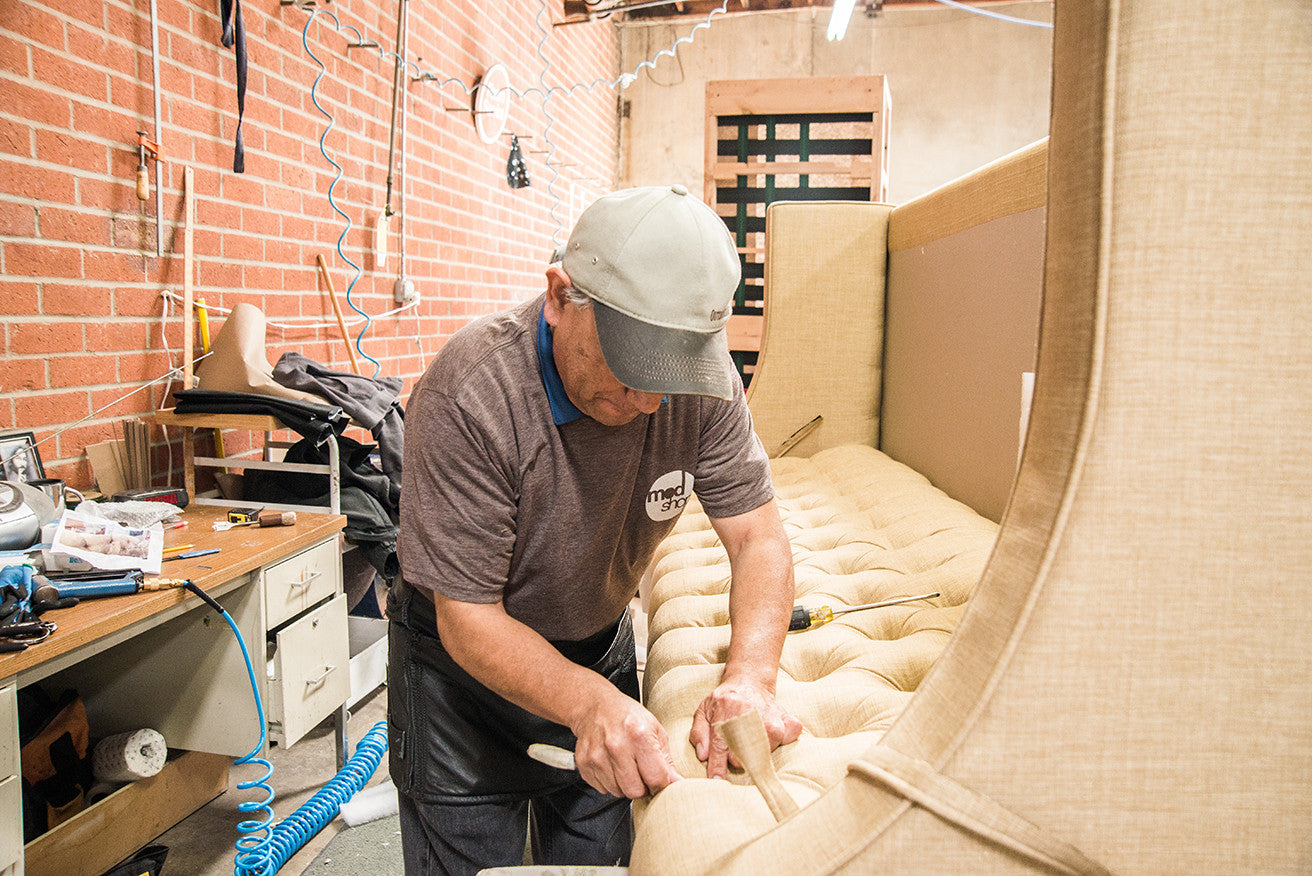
pixel 621 750
pixel 514 661
pixel 760 596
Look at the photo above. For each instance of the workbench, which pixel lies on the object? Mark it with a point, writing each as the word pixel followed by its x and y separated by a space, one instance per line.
pixel 165 660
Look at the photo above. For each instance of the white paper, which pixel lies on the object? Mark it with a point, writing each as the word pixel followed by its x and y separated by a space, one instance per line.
pixel 107 545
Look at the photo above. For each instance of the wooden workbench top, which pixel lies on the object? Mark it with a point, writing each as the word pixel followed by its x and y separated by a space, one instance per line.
pixel 241 550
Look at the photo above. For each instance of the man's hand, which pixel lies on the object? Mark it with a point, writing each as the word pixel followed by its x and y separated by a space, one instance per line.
pixel 727 701
pixel 760 603
pixel 622 749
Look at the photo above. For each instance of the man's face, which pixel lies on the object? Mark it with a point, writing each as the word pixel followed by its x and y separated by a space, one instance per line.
pixel 588 381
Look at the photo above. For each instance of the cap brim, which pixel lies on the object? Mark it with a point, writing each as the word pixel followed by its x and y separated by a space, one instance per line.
pixel 651 358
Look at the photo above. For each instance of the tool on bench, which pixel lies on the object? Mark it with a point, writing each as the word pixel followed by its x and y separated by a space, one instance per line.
pixel 805 618
pixel 203 552
pixel 251 517
pixel 19 626
pixel 54 591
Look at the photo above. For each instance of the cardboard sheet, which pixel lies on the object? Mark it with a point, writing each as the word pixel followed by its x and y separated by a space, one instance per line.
pixel 237 362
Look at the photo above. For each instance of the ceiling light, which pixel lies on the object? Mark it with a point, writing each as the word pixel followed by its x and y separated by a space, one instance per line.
pixel 839 16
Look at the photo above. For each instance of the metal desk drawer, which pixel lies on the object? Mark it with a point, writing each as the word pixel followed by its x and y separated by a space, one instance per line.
pixel 309 674
pixel 297 583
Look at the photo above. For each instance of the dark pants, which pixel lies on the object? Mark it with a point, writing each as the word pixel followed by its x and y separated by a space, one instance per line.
pixel 468 790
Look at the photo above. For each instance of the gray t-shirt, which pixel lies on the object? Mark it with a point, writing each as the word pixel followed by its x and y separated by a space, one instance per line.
pixel 558 521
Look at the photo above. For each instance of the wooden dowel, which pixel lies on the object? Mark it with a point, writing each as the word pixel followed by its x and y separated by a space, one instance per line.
pixel 337 310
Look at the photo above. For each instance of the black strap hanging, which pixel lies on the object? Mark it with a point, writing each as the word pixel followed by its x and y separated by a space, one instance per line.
pixel 235 32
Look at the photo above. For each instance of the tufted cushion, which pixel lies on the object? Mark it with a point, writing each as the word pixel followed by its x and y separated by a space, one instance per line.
pixel 863 528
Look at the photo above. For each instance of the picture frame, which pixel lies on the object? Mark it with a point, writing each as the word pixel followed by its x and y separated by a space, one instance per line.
pixel 19 458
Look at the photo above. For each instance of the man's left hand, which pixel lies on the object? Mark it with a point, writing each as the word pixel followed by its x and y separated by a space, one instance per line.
pixel 727 701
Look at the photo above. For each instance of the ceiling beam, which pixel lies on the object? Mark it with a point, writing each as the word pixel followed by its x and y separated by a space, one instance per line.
pixel 677 9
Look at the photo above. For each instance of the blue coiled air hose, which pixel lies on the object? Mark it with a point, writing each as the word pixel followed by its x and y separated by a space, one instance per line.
pixel 264 846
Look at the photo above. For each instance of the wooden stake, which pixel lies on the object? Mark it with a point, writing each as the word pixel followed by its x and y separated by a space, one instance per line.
pixel 337 310
pixel 188 269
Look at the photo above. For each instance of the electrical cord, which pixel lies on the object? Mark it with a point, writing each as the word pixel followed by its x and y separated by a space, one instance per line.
pixel 332 202
pixel 264 847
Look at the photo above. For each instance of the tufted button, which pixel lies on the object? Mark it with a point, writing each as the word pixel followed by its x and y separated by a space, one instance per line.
pixel 679 189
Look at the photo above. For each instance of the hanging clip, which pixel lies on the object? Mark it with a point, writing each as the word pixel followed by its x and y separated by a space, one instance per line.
pixel 144 145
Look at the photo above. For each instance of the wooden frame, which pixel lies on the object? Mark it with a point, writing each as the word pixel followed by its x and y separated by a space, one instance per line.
pixel 853 165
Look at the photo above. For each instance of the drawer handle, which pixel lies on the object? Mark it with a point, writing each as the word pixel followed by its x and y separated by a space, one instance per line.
pixel 306 581
pixel 315 682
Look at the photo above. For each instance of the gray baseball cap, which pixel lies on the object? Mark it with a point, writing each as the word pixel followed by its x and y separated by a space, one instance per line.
pixel 662 271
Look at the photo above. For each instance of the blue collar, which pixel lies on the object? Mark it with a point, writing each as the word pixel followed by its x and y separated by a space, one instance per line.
pixel 562 409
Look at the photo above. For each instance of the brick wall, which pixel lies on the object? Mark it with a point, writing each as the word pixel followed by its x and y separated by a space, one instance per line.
pixel 81 287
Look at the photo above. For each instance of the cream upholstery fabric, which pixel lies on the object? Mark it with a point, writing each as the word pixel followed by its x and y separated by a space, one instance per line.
pixel 1133 674
pixel 822 351
pixel 864 529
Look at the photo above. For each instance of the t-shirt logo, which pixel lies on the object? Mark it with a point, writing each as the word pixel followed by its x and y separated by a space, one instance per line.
pixel 668 494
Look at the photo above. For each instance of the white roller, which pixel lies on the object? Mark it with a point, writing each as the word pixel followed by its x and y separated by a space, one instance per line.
pixel 127 757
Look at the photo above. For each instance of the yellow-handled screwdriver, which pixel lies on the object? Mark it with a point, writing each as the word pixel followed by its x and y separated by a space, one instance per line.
pixel 805 618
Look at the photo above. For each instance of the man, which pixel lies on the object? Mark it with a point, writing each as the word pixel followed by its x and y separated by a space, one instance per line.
pixel 550 449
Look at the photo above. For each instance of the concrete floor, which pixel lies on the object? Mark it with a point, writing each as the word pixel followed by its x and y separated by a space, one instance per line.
pixel 202 844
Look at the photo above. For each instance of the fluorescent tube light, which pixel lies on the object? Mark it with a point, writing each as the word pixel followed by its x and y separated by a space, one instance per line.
pixel 839 16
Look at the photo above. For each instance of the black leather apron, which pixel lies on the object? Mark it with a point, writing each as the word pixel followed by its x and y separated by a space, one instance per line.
pixel 453 740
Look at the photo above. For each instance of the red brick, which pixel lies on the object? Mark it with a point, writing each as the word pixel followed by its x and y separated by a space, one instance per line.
pixel 109 337
pixel 118 401
pixel 79 370
pixel 134 232
pixel 139 368
pixel 18 297
pixel 71 150
pixel 14 57
pixel 58 299
pixel 46 184
pixel 35 25
pixel 259 223
pixel 74 226
pixel 17 375
pixel 41 260
pixel 111 266
pixel 111 124
pixel 95 44
pixel 15 139
pixel 17 220
pixel 75 439
pixel 70 74
pixel 51 407
pixel 145 303
pixel 220 275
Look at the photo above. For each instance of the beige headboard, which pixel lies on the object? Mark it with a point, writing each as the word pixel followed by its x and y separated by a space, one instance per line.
pixel 823 342
pixel 964 292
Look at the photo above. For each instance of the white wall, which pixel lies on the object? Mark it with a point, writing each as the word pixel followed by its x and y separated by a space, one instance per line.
pixel 965 89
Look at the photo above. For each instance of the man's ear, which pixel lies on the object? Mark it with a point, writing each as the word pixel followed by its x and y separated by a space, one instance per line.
pixel 557 282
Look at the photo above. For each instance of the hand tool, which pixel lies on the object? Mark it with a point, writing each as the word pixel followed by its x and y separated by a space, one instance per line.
pixel 241 515
pixel 17 636
pixel 552 756
pixel 176 548
pixel 204 552
pixel 48 590
pixel 263 518
pixel 54 593
pixel 805 618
